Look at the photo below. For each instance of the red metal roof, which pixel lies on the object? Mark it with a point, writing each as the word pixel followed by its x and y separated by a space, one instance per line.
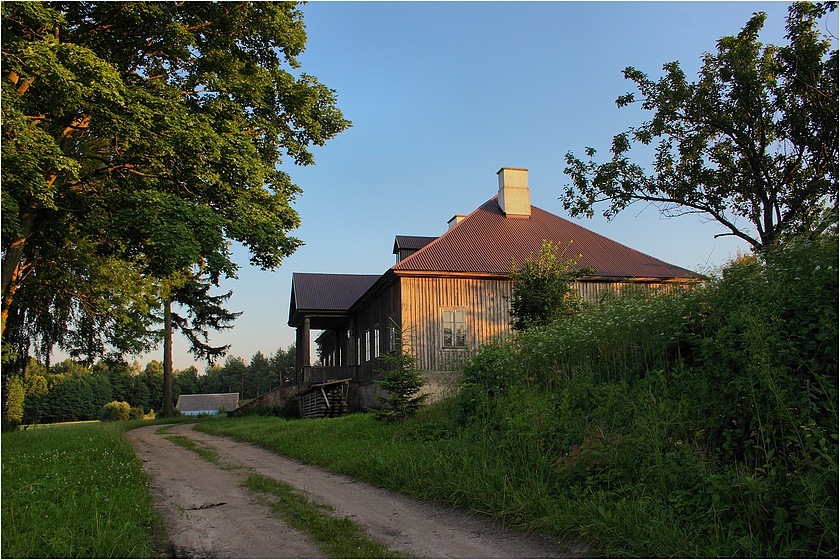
pixel 485 242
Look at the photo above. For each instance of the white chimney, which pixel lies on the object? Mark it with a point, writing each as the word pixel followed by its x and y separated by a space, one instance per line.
pixel 456 219
pixel 514 196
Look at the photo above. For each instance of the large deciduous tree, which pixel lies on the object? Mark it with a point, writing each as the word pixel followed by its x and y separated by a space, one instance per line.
pixel 138 140
pixel 751 144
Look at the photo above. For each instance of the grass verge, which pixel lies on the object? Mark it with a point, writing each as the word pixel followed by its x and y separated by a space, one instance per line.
pixel 337 537
pixel 75 491
pixel 208 454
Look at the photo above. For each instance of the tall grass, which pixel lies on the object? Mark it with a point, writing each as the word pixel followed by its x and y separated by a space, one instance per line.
pixel 75 491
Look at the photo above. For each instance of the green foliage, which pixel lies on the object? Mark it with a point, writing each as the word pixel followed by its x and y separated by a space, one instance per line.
pixel 16 398
pixel 402 382
pixel 130 164
pixel 542 287
pixel 755 138
pixel 75 492
pixel 66 397
pixel 115 410
pixel 72 391
pixel 718 405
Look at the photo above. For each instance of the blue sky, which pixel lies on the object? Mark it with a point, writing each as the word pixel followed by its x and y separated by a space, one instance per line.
pixel 441 96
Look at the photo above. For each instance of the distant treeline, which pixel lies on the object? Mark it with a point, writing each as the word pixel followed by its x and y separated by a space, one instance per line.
pixel 69 391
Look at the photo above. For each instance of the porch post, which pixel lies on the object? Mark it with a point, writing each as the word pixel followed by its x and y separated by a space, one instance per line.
pixel 351 346
pixel 305 343
pixel 298 347
pixel 338 352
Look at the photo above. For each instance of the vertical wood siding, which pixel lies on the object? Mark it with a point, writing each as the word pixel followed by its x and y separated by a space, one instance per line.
pixel 423 303
pixel 488 313
pixel 595 291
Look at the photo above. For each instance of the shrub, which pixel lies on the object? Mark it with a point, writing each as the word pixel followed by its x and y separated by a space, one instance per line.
pixel 403 381
pixel 542 289
pixel 136 413
pixel 115 410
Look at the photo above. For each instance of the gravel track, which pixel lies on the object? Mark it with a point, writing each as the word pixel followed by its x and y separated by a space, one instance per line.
pixel 209 514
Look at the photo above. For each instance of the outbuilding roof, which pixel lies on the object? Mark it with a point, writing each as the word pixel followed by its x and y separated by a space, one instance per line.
pixel 486 241
pixel 207 402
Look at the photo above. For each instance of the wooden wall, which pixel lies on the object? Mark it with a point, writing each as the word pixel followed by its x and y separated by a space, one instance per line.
pixel 423 302
pixel 488 313
pixel 595 291
pixel 376 311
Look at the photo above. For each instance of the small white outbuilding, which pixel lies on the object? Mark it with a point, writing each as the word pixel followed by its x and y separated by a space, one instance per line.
pixel 209 403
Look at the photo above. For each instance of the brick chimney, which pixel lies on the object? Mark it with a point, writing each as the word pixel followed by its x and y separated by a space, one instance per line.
pixel 514 195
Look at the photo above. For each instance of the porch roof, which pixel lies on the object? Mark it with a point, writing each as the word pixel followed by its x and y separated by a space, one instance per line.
pixel 324 298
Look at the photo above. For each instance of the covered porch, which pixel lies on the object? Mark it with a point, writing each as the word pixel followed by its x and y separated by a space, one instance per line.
pixel 322 302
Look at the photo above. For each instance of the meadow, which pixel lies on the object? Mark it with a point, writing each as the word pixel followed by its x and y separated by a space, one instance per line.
pixel 75 491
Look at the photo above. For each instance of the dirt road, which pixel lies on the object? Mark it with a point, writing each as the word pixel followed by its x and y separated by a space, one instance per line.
pixel 209 514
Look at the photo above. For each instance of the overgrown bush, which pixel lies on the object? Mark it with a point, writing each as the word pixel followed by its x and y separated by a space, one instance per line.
pixel 701 422
pixel 115 410
pixel 135 413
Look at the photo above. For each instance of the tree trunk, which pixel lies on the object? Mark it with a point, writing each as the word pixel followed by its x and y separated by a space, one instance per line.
pixel 13 264
pixel 168 404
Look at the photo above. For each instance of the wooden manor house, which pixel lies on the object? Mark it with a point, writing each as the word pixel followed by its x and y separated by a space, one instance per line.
pixel 448 295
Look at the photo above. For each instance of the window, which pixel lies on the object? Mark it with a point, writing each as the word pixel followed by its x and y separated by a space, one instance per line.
pixel 392 335
pixel 376 341
pixel 367 345
pixel 454 328
pixel 358 350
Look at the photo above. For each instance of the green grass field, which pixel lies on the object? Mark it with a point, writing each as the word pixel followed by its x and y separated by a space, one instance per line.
pixel 75 491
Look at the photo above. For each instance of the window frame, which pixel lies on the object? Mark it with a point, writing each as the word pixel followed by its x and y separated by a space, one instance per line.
pixel 392 334
pixel 452 325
